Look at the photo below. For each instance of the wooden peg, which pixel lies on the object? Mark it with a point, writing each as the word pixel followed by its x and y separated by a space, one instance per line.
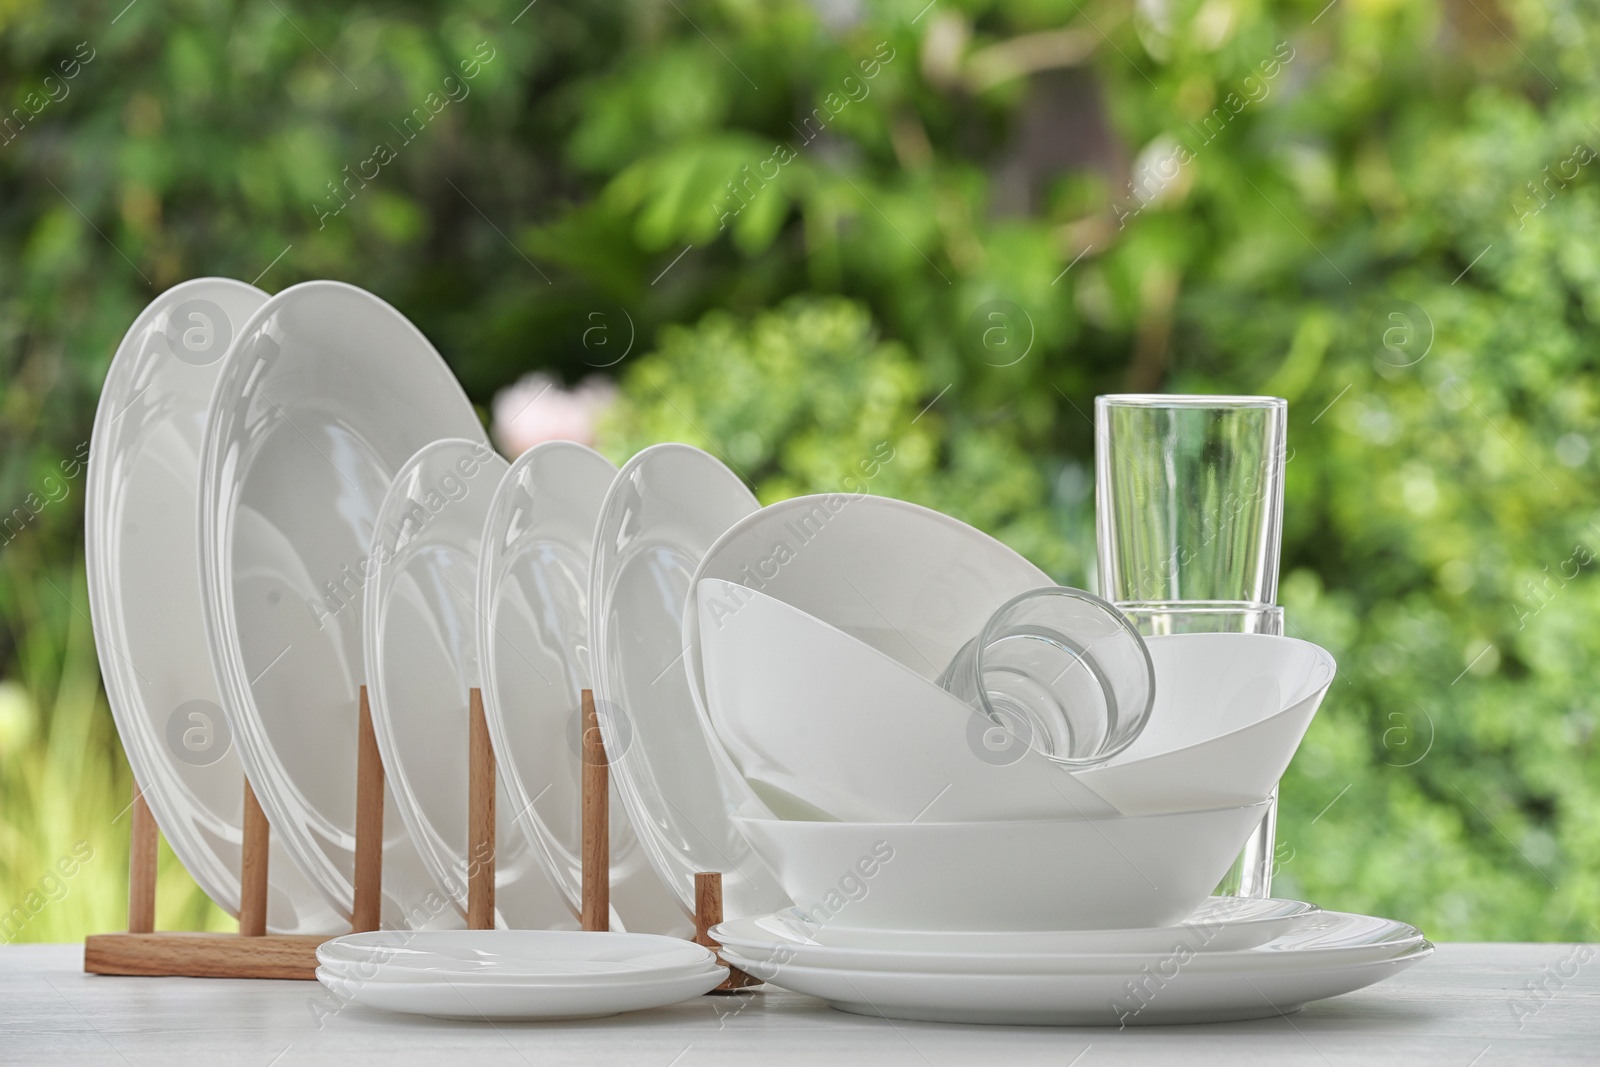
pixel 368 909
pixel 480 816
pixel 596 789
pixel 253 867
pixel 708 913
pixel 143 843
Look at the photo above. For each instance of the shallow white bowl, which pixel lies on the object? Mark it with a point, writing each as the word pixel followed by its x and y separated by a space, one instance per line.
pixel 1082 874
pixel 809 713
pixel 1230 711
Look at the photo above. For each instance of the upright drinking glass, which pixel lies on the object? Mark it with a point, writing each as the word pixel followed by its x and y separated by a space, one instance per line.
pixel 1189 526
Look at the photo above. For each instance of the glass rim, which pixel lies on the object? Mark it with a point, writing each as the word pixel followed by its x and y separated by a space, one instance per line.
pixel 1199 607
pixel 1190 400
pixel 993 629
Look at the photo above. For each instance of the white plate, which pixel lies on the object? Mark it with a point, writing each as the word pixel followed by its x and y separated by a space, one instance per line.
pixel 1220 924
pixel 533 627
pixel 1230 711
pixel 909 581
pixel 1036 874
pixel 667 505
pixel 535 956
pixel 325 393
pixel 421 655
pixel 1320 939
pixel 144 593
pixel 810 714
pixel 522 1001
pixel 1177 990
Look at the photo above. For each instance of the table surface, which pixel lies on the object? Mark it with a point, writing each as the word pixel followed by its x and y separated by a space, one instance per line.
pixel 1470 1005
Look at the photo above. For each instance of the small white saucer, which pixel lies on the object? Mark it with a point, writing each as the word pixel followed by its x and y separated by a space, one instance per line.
pixel 522 1001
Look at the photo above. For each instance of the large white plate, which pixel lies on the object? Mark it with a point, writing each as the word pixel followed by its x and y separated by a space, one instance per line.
pixel 144 593
pixel 1220 924
pixel 525 1001
pixel 421 653
pixel 326 392
pixel 666 507
pixel 533 630
pixel 1316 940
pixel 1176 990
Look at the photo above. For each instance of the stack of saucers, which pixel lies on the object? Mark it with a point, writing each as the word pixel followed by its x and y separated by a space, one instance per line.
pixel 515 974
pixel 948 863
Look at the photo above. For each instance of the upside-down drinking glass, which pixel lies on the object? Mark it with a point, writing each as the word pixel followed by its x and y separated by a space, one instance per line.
pixel 1189 526
pixel 1061 669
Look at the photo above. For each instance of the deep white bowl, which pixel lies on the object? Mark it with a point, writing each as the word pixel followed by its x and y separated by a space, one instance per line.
pixel 1230 711
pixel 809 713
pixel 911 582
pixel 1081 874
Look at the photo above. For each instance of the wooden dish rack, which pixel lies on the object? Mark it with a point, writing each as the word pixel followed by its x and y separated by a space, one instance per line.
pixel 254 953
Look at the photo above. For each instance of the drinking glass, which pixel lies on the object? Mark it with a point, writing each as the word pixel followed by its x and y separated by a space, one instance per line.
pixel 1060 669
pixel 1189 527
pixel 1251 873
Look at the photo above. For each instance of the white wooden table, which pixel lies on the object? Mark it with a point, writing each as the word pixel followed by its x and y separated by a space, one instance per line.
pixel 1470 1005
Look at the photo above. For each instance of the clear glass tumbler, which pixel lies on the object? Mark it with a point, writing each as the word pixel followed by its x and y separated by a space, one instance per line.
pixel 1251 873
pixel 1060 669
pixel 1189 528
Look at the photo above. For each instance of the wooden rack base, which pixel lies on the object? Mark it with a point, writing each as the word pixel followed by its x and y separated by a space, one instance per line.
pixel 254 953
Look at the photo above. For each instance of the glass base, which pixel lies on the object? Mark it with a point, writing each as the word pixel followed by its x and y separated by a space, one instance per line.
pixel 1251 873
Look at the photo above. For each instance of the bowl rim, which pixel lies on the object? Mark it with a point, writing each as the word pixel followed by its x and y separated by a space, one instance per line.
pixel 1004 823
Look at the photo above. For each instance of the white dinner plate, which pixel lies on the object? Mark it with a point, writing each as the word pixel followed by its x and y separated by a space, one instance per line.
pixel 325 393
pixel 1178 989
pixel 522 1001
pixel 144 593
pixel 421 655
pixel 511 956
pixel 1220 924
pixel 533 629
pixel 665 508
pixel 1317 940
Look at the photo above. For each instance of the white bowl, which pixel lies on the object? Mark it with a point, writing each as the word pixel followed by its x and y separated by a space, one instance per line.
pixel 909 581
pixel 1082 874
pixel 1230 711
pixel 809 713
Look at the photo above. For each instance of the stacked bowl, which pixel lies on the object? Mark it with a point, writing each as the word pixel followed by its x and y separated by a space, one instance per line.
pixel 927 840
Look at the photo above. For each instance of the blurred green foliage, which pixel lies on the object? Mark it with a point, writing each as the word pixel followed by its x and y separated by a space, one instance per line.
pixel 824 226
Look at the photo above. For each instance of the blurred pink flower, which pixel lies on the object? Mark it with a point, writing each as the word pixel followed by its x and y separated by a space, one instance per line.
pixel 537 408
